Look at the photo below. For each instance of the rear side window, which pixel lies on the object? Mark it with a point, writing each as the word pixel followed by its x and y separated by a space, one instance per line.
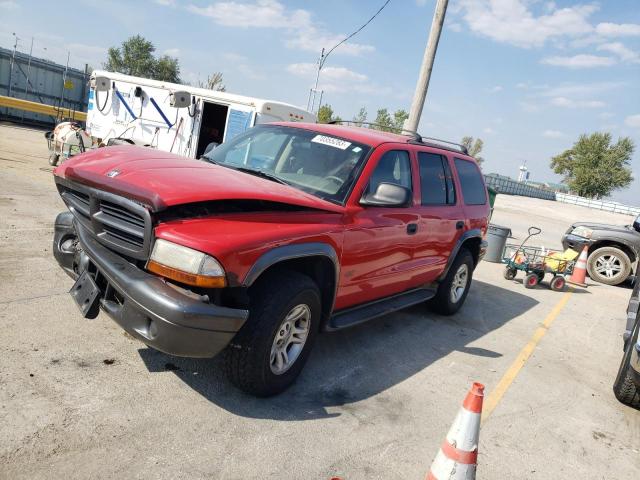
pixel 436 184
pixel 394 167
pixel 473 189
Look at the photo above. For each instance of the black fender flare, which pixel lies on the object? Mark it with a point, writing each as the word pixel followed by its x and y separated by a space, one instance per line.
pixel 469 234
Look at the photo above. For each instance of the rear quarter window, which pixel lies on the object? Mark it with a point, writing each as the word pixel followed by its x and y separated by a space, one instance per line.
pixel 471 182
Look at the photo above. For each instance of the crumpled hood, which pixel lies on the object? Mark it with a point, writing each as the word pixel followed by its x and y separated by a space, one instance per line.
pixel 161 180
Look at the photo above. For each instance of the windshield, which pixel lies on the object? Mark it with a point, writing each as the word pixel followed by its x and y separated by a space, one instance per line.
pixel 322 165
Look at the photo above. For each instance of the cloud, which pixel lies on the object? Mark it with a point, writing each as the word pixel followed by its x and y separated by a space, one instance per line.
pixel 8 5
pixel 302 32
pixel 569 103
pixel 166 3
pixel 454 27
pixel 489 131
pixel 496 89
pixel 578 90
pixel 172 52
pixel 530 107
pixel 579 61
pixel 623 53
pixel 618 29
pixel 339 79
pixel 552 134
pixel 512 22
pixel 633 121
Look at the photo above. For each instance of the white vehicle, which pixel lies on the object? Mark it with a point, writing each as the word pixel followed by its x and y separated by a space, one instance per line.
pixel 175 118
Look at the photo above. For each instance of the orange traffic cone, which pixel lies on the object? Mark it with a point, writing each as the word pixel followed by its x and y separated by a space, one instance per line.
pixel 458 455
pixel 579 274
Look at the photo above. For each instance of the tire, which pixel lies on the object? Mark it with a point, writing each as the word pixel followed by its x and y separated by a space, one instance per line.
pixel 53 159
pixel 531 280
pixel 509 273
pixel 625 390
pixel 558 283
pixel 249 359
pixel 445 301
pixel 601 258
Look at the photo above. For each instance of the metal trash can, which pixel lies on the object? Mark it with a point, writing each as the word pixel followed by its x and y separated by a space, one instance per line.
pixel 496 239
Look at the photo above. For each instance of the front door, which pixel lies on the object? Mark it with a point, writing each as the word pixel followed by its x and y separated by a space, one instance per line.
pixel 379 241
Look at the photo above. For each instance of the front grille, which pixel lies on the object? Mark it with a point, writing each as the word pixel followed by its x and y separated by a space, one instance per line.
pixel 117 222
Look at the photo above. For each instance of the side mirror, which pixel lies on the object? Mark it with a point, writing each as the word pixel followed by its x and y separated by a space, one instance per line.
pixel 636 224
pixel 387 195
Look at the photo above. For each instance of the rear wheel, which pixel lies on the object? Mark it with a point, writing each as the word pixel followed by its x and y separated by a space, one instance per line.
pixel 268 353
pixel 624 388
pixel 509 273
pixel 531 280
pixel 557 283
pixel 609 265
pixel 453 290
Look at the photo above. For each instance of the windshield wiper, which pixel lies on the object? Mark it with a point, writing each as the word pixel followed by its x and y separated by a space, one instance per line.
pixel 261 173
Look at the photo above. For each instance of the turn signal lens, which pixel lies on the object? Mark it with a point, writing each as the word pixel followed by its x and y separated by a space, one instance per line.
pixel 185 277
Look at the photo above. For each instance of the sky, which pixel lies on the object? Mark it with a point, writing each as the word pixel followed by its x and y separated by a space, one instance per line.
pixel 526 76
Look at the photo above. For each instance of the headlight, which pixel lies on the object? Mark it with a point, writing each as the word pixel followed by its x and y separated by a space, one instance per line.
pixel 186 265
pixel 583 232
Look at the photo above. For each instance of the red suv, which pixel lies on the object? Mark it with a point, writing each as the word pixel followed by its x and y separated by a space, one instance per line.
pixel 280 233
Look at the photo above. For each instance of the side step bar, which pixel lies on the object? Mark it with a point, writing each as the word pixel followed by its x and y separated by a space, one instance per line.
pixel 369 311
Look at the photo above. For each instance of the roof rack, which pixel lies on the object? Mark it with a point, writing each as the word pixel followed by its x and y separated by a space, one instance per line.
pixel 447 145
pixel 415 136
pixel 401 131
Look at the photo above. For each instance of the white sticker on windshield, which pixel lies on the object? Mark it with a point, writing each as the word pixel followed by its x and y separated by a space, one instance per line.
pixel 332 142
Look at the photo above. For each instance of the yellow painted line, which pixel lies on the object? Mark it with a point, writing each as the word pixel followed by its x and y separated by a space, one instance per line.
pixel 493 399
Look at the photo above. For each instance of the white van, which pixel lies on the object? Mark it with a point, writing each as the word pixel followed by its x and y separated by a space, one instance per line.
pixel 174 118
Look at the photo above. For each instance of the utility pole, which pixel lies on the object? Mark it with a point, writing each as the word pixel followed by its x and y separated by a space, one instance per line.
pixel 427 66
pixel 26 83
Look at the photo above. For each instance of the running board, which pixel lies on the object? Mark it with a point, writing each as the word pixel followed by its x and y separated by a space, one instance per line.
pixel 369 311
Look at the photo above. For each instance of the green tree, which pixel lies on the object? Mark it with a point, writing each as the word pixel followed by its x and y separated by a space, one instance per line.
pixel 594 167
pixel 387 123
pixel 360 117
pixel 325 114
pixel 135 57
pixel 474 147
pixel 215 81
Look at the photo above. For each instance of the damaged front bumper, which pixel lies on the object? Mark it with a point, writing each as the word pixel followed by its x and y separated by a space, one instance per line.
pixel 161 315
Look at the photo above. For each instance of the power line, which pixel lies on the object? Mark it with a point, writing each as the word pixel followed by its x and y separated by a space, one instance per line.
pixel 356 32
pixel 323 56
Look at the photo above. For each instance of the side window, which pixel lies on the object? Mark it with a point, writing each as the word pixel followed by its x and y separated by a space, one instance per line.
pixel 436 184
pixel 473 189
pixel 393 167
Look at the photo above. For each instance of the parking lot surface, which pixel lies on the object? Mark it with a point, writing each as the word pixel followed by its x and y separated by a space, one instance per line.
pixel 81 399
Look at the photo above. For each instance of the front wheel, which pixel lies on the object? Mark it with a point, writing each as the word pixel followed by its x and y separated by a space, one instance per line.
pixel 509 273
pixel 268 353
pixel 453 290
pixel 625 390
pixel 531 280
pixel 558 283
pixel 609 265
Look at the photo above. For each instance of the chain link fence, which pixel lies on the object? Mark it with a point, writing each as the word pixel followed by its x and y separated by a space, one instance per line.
pixel 511 187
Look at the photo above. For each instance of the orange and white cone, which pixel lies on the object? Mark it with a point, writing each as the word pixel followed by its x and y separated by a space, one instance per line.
pixel 579 274
pixel 458 455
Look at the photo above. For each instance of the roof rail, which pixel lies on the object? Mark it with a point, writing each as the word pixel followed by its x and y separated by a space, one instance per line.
pixel 446 144
pixel 415 136
pixel 384 128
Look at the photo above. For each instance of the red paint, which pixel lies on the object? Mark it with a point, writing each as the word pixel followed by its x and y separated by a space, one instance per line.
pixel 459 456
pixel 377 256
pixel 473 400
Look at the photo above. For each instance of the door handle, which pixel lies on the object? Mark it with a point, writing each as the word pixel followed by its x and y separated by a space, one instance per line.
pixel 412 228
pixel 459 225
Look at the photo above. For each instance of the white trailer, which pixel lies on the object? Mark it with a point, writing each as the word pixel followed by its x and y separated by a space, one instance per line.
pixel 174 118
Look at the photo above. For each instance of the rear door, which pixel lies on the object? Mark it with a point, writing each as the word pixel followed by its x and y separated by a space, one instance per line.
pixel 441 213
pixel 474 194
